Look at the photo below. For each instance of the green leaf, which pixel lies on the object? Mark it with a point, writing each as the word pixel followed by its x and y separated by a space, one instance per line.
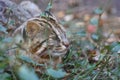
pixel 49 6
pixel 1 38
pixel 42 14
pixel 11 22
pixel 27 73
pixel 2 58
pixel 95 37
pixel 81 33
pixel 94 21
pixel 116 71
pixel 3 64
pixel 56 73
pixel 26 59
pixel 115 47
pixel 3 29
pixel 114 44
pixel 29 60
pixel 98 11
pixel 5 76
pixel 85 44
pixel 7 40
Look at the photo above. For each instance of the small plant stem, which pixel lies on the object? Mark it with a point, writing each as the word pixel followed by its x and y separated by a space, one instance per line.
pixel 102 67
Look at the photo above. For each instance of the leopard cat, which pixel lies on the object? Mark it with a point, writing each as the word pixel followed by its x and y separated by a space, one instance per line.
pixel 44 39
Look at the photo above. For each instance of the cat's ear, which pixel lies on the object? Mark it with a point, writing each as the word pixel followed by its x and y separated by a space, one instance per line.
pixel 32 28
pixel 32 25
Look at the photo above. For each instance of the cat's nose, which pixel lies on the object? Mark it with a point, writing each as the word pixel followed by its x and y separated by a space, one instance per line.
pixel 66 43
